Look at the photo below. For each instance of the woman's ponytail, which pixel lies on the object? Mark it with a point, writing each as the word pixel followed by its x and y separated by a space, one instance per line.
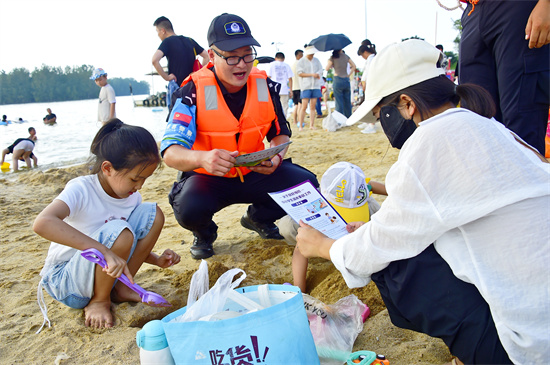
pixel 476 99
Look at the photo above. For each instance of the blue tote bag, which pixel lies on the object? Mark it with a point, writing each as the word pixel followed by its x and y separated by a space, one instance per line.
pixel 275 331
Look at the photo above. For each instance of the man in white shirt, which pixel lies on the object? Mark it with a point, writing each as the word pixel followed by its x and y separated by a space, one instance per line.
pixel 282 73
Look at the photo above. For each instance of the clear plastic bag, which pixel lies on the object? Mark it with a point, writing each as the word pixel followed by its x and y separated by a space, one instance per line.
pixel 335 327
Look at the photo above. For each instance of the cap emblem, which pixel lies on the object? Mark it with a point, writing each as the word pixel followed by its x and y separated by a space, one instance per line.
pixel 234 28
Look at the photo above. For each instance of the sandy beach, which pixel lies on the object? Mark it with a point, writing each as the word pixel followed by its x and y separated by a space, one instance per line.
pixel 265 261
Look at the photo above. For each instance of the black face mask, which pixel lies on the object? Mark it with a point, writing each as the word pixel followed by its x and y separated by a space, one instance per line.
pixel 397 128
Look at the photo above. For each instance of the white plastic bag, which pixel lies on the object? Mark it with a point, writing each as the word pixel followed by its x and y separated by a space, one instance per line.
pixel 199 283
pixel 214 299
pixel 339 118
pixel 334 121
pixel 330 124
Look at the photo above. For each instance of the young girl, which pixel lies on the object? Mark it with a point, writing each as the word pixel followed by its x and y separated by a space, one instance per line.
pixel 103 211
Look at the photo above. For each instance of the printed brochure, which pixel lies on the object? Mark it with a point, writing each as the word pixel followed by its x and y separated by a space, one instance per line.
pixel 304 202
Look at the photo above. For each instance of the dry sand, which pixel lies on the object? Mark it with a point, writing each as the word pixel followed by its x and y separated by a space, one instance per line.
pixel 24 195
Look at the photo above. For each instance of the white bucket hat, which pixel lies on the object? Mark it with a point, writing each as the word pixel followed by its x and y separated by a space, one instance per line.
pixel 395 68
pixel 310 50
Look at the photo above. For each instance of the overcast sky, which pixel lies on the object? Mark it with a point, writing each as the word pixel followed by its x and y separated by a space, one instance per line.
pixel 118 35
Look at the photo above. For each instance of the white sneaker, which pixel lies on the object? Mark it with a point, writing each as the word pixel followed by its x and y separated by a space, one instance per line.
pixel 362 125
pixel 369 129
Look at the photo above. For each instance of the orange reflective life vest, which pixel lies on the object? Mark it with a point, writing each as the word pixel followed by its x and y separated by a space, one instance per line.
pixel 217 127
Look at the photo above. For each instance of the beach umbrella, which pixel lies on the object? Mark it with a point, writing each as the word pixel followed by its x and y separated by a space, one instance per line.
pixel 265 59
pixel 330 42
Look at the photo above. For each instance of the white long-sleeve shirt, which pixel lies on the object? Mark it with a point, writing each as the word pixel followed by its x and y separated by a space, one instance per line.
pixel 309 67
pixel 465 184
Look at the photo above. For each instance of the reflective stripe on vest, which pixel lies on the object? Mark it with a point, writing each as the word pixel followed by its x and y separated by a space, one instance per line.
pixel 217 127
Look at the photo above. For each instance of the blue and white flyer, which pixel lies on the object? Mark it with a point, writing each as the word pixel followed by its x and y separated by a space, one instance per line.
pixel 304 202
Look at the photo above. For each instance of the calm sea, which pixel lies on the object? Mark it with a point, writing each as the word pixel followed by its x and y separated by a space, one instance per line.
pixel 68 142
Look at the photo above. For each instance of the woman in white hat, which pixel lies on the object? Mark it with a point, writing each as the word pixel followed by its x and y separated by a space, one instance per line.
pixel 460 248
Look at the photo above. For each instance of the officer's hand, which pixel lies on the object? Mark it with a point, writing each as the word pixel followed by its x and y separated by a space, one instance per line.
pixel 219 162
pixel 267 167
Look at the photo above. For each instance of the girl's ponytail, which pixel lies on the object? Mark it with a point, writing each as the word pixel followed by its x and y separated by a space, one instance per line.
pixel 106 129
pixel 125 146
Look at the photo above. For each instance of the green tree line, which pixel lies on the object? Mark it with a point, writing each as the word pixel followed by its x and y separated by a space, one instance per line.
pixel 47 83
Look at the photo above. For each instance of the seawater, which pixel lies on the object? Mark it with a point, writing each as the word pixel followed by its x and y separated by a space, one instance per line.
pixel 68 142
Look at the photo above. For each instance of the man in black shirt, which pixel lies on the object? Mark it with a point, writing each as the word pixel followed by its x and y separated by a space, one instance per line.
pixel 50 118
pixel 180 52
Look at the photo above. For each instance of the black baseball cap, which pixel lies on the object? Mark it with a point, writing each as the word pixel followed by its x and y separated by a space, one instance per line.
pixel 229 32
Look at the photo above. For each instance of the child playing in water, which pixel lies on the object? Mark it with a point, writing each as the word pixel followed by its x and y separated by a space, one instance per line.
pixel 21 149
pixel 104 211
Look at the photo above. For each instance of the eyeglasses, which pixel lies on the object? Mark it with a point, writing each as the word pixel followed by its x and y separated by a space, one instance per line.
pixel 234 60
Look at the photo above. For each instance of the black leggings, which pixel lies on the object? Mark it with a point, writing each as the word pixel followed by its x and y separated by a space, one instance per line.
pixel 422 294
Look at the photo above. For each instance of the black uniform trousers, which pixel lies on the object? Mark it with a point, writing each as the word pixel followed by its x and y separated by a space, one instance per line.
pixel 494 54
pixel 197 197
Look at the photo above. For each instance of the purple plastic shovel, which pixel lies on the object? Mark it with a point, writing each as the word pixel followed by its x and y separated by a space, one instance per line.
pixel 152 299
